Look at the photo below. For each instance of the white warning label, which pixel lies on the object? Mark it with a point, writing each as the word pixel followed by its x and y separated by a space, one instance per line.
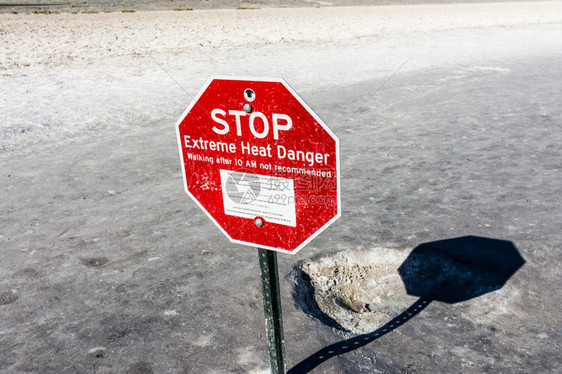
pixel 249 195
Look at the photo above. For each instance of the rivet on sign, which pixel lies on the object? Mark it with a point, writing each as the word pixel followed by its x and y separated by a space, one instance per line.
pixel 259 222
pixel 247 108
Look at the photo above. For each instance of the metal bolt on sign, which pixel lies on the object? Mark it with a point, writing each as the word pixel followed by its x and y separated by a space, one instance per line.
pixel 247 108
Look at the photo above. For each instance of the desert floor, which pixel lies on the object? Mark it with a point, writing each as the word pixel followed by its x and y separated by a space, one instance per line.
pixel 449 121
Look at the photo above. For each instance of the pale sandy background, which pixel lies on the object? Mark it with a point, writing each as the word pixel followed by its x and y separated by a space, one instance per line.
pixel 52 40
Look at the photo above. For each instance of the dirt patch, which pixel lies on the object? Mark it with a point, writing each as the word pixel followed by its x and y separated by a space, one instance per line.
pixel 8 297
pixel 356 291
pixel 94 262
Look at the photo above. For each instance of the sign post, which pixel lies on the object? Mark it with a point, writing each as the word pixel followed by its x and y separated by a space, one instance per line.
pixel 272 310
pixel 265 168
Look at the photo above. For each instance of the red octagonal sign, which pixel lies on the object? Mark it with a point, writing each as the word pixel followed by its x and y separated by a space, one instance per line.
pixel 260 163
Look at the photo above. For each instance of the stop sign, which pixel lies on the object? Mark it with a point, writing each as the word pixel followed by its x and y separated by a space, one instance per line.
pixel 260 163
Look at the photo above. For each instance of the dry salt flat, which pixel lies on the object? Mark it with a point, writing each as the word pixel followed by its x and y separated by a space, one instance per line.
pixel 449 121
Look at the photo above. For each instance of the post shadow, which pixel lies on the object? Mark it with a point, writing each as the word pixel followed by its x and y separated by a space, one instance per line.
pixel 359 341
pixel 449 271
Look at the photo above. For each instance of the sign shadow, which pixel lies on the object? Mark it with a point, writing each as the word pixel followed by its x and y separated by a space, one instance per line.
pixel 449 271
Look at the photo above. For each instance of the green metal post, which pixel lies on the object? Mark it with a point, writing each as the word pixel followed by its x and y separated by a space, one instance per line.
pixel 272 310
